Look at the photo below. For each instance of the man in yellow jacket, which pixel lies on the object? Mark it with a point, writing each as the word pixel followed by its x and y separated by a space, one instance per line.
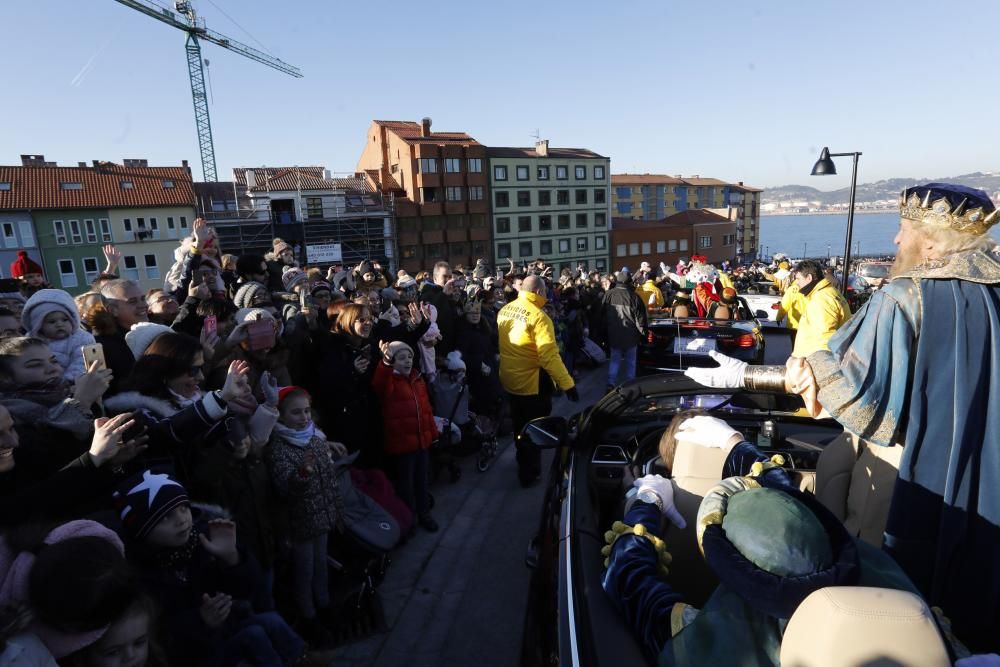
pixel 824 309
pixel 650 294
pixel 527 347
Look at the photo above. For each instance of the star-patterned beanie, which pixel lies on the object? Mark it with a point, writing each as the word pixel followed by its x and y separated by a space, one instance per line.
pixel 145 498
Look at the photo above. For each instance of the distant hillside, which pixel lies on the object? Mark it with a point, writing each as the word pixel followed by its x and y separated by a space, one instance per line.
pixel 887 190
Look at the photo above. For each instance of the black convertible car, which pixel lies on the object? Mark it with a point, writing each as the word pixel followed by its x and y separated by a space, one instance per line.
pixel 570 620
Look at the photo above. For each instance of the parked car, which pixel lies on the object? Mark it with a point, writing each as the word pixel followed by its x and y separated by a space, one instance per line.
pixel 676 343
pixel 874 274
pixel 569 620
pixel 765 308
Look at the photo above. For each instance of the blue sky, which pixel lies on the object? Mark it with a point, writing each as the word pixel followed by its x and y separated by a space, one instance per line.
pixel 736 89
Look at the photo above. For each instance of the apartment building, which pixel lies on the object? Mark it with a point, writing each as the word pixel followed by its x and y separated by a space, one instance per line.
pixel 550 203
pixel 693 232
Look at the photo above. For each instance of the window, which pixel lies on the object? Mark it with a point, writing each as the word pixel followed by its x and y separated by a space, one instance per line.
pixel 544 223
pixel 545 247
pixel 562 173
pixel 410 251
pixel 503 225
pixel 563 222
pixel 524 223
pixel 633 249
pixel 171 227
pixel 428 195
pixel 184 222
pixel 88 227
pixel 5 185
pixel 600 219
pixel 27 234
pixel 105 230
pixel 600 242
pixel 600 195
pixel 314 208
pixel 67 273
pixel 562 197
pixel 74 230
pixel 647 247
pixel 543 173
pixel 126 185
pixel 453 165
pixel 581 173
pixel 9 236
pixel 524 248
pixel 620 250
pixel 131 270
pixel 475 165
pixel 521 172
pixel 563 245
pixel 661 246
pixel 71 186
pixel 475 192
pixel 154 228
pixel 434 250
pixel 581 220
pixel 581 243
pixel 167 184
pixel 524 198
pixel 601 264
pixel 503 251
pixel 598 173
pixel 457 249
pixel 705 242
pixel 428 165
pixel 453 193
pixel 581 196
pixel 499 173
pixel 502 199
pixel 682 245
pixel 127 225
pixel 544 198
pixel 479 248
pixel 90 269
pixel 672 245
pixel 729 239
pixel 59 229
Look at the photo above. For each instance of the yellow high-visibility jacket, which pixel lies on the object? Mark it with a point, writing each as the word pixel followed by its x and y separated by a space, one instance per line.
pixel 792 306
pixel 528 343
pixel 649 289
pixel 825 311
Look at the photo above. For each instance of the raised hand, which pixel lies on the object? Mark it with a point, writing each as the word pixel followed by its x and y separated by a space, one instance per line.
pixel 209 341
pixel 90 386
pixel 221 541
pixel 113 256
pixel 236 385
pixel 107 440
pixel 215 609
pixel 269 388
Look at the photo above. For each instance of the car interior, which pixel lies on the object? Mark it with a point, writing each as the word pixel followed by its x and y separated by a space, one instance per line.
pixel 851 479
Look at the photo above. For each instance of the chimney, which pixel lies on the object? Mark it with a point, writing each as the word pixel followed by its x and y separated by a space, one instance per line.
pixel 327 175
pixel 425 127
pixel 32 160
pixel 741 182
pixel 251 179
pixel 82 165
pixel 542 148
pixel 133 163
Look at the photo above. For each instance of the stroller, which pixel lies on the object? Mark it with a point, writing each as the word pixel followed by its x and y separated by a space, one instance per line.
pixel 463 432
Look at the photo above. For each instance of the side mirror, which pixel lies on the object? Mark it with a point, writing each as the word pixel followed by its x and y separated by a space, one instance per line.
pixel 544 432
pixel 760 314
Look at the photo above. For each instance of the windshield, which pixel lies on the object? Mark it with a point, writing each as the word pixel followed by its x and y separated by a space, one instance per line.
pixel 874 270
pixel 741 403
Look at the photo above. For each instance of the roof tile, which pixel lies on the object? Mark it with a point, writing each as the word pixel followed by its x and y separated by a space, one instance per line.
pixel 101 187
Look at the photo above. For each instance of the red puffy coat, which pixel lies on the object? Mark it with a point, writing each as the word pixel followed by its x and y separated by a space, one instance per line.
pixel 406 410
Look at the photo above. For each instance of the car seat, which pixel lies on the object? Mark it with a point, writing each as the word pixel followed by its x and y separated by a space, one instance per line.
pixel 851 626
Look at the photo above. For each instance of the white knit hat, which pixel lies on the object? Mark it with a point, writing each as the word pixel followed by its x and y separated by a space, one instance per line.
pixel 46 301
pixel 455 362
pixel 244 315
pixel 142 335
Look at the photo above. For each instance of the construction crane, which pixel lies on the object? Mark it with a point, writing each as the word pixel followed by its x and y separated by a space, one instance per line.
pixel 187 20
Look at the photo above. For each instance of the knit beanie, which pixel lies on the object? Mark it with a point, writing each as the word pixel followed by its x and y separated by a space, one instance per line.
pixel 23 265
pixel 291 277
pixel 285 391
pixel 389 294
pixel 728 295
pixel 279 246
pixel 365 267
pixel 244 315
pixel 46 301
pixel 406 281
pixel 319 286
pixel 142 335
pixel 454 360
pixel 145 498
pixel 394 348
pixel 248 293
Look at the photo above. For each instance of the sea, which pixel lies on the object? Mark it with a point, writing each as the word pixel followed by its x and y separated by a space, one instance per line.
pixel 823 235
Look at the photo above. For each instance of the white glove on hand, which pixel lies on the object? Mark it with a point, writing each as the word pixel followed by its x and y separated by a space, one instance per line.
pixel 729 374
pixel 708 431
pixel 486 370
pixel 664 490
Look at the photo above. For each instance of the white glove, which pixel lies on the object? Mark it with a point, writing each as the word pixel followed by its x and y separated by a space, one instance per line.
pixel 729 374
pixel 664 490
pixel 708 431
pixel 486 370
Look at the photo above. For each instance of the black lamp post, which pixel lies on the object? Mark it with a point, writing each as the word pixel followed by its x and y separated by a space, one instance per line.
pixel 824 167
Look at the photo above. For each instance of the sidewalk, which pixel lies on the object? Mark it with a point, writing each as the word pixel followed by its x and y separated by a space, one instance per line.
pixel 458 596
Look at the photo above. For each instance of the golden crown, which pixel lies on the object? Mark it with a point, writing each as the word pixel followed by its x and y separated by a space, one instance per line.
pixel 940 213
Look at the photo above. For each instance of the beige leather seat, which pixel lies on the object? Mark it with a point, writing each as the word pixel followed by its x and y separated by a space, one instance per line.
pixel 854 480
pixel 853 626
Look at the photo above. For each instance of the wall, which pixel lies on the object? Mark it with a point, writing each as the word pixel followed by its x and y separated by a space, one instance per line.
pixel 154 255
pixel 74 256
pixel 17 232
pixel 665 243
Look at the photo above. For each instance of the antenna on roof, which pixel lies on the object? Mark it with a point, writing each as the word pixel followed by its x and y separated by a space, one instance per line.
pixel 537 135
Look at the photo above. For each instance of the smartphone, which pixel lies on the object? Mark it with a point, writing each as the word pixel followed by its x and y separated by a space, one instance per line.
pixel 260 335
pixel 211 325
pixel 304 302
pixel 92 353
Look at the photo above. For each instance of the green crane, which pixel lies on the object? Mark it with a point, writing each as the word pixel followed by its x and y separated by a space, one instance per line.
pixel 185 18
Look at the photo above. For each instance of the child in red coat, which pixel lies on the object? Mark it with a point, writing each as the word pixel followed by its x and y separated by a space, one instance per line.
pixel 409 426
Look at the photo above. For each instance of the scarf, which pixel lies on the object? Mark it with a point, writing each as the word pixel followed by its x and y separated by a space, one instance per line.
pixel 181 401
pixel 300 437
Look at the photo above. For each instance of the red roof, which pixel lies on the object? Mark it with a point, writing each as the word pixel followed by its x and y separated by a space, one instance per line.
pixel 689 218
pixel 662 179
pixel 94 187
pixel 409 132
pixel 263 173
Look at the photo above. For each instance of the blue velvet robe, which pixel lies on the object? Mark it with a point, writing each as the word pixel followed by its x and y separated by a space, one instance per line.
pixel 916 365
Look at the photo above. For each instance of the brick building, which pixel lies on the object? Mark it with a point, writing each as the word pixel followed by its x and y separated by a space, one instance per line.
pixel 438 188
pixel 692 232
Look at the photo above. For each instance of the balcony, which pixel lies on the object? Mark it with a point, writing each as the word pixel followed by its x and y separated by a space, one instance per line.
pixel 432 236
pixel 454 207
pixel 429 180
pixel 432 208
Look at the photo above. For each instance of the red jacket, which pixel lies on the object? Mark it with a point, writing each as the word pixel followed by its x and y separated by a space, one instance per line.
pixel 406 410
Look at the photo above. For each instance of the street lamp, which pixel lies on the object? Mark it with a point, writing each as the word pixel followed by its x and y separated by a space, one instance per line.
pixel 824 167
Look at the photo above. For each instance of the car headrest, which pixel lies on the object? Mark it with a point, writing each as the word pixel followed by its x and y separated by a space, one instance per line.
pixel 851 626
pixel 697 469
